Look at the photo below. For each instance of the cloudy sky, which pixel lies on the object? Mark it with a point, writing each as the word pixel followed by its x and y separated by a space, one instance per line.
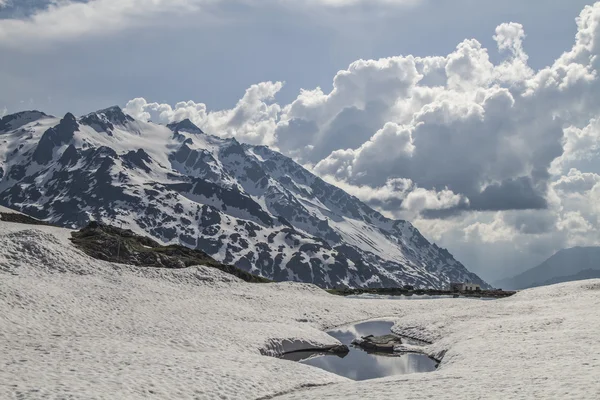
pixel 477 120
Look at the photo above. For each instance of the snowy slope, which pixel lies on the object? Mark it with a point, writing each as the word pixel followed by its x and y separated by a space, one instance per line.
pixel 75 327
pixel 8 210
pixel 244 205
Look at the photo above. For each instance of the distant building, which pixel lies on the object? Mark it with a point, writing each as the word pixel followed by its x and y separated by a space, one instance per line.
pixel 464 287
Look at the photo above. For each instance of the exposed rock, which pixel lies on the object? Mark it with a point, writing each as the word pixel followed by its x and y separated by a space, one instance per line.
pixel 244 205
pixel 69 156
pixel 117 245
pixel 55 136
pixel 378 344
pixel 341 349
pixel 105 120
pixel 20 219
pixel 184 126
pixel 137 159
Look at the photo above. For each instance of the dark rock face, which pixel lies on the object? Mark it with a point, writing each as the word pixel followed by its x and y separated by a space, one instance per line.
pixel 118 245
pixel 184 126
pixel 99 124
pixel 105 120
pixel 116 115
pixel 243 205
pixel 20 219
pixel 53 137
pixel 138 159
pixel 200 163
pixel 69 157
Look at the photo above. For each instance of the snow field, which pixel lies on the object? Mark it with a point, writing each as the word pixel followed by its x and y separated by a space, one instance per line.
pixel 75 327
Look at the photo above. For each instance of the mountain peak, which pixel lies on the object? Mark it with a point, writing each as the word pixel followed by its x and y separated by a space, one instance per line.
pixel 105 120
pixel 17 120
pixel 184 125
pixel 560 267
pixel 110 109
pixel 115 115
pixel 69 118
pixel 250 207
pixel 54 137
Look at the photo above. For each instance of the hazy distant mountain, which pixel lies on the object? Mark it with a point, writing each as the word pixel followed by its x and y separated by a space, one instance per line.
pixel 564 266
pixel 244 205
pixel 580 276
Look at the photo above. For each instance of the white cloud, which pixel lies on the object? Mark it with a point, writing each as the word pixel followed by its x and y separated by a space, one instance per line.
pixel 579 144
pixel 73 19
pixel 252 120
pixel 400 197
pixel 421 199
pixel 66 19
pixel 424 137
pixel 469 66
pixel 515 70
pixel 576 182
pixel 574 222
pixel 489 134
pixel 495 231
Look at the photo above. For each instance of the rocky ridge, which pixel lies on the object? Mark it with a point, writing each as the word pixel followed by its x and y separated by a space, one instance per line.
pixel 243 205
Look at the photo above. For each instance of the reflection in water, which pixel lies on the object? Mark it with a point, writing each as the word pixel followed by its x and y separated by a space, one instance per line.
pixel 360 365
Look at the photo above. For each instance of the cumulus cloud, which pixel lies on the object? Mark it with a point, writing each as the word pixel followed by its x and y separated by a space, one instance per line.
pixel 515 70
pixel 469 150
pixel 576 182
pixel 574 222
pixel 580 144
pixel 73 19
pixel 401 195
pixel 491 135
pixel 252 120
pixel 70 19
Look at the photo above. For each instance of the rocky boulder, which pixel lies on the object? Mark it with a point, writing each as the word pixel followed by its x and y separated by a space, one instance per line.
pixel 378 344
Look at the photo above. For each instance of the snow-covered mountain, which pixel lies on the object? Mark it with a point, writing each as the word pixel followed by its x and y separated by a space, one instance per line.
pixel 566 265
pixel 244 205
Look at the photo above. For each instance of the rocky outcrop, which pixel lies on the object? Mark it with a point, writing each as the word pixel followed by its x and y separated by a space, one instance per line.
pixel 118 245
pixel 378 344
pixel 244 205
pixel 53 137
pixel 20 219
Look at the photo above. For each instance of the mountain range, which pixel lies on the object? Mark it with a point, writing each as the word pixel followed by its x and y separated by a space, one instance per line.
pixel 244 205
pixel 566 265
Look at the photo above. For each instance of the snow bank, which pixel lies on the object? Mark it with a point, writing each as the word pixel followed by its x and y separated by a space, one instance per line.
pixel 79 327
pixel 8 210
